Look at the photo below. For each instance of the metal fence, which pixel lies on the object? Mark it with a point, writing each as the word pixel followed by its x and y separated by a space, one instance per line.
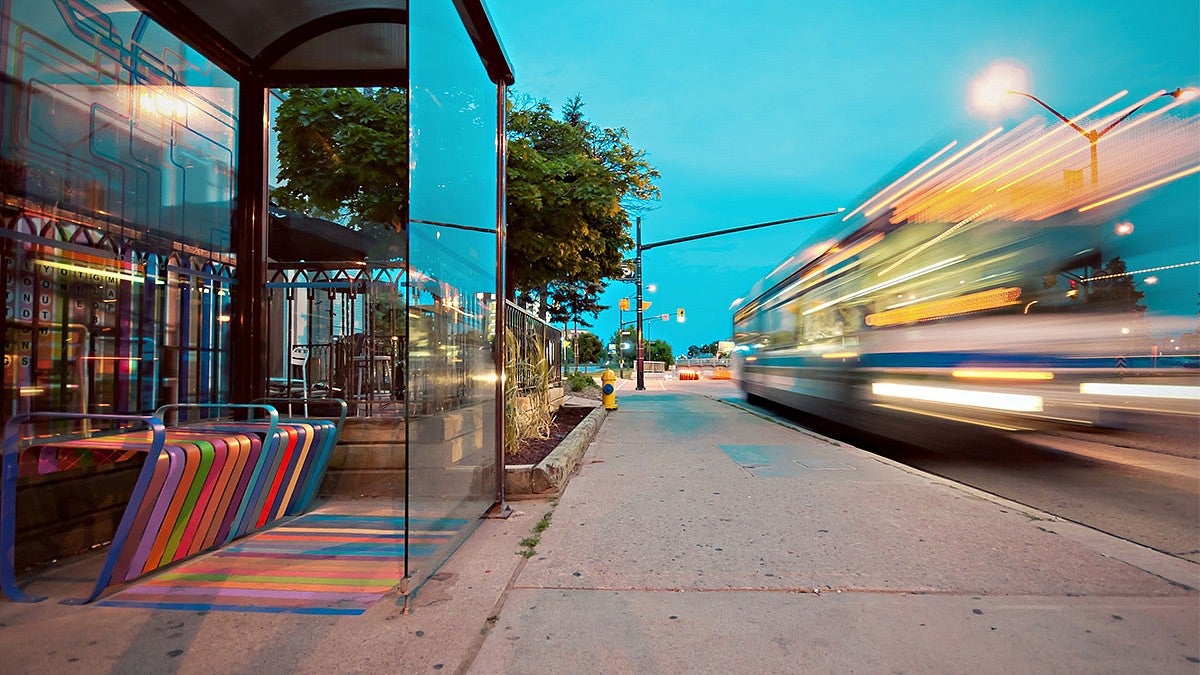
pixel 530 342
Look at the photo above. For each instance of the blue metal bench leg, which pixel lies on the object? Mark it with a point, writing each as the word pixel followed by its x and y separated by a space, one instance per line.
pixel 8 531
pixel 122 534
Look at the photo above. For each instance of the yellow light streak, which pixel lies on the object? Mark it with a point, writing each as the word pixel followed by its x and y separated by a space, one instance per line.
pixel 1030 144
pixel 1003 374
pixel 946 162
pixel 31 391
pixel 964 304
pixel 1143 188
pixel 970 398
pixel 838 257
pixel 896 182
pixel 1067 139
pixel 1180 392
pixel 1115 132
pixel 914 301
pixel 839 355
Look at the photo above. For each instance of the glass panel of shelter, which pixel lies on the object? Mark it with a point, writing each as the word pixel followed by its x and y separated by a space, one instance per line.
pixel 453 145
pixel 118 271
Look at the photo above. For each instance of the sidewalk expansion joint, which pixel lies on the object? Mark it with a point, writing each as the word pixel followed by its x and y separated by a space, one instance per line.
pixel 809 590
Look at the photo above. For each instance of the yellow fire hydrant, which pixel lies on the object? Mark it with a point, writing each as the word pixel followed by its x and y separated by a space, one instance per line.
pixel 609 391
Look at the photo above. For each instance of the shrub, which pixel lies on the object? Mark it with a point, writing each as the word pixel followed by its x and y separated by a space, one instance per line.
pixel 580 381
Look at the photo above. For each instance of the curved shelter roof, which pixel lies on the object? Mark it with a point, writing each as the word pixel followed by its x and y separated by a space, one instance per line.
pixel 314 42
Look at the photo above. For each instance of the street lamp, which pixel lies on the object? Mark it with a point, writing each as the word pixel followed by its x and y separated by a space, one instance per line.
pixel 1094 135
pixel 641 374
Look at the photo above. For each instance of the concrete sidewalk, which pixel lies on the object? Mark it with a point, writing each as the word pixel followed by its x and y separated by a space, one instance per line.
pixel 700 537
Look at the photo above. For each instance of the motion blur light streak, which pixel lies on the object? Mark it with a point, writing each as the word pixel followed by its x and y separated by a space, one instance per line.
pixel 1003 374
pixel 1178 392
pixel 1143 188
pixel 952 418
pixel 1116 132
pixel 946 162
pixel 901 179
pixel 918 249
pixel 1066 140
pixel 890 282
pixel 839 257
pixel 964 304
pixel 1143 271
pixel 964 397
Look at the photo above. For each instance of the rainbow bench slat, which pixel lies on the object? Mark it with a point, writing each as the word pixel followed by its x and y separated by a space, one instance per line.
pixel 202 485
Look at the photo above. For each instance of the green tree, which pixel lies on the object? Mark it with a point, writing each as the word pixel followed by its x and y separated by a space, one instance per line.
pixel 343 155
pixel 567 181
pixel 1113 289
pixel 589 348
pixel 659 350
pixel 567 301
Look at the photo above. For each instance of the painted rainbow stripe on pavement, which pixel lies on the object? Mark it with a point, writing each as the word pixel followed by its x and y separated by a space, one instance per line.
pixel 321 563
pixel 212 483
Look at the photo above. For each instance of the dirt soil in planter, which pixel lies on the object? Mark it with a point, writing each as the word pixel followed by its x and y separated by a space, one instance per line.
pixel 534 450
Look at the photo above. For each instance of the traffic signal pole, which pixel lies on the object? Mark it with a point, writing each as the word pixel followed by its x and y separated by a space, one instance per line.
pixel 641 374
pixel 641 349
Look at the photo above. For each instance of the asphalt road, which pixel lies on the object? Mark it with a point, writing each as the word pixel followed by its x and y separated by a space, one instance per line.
pixel 1057 471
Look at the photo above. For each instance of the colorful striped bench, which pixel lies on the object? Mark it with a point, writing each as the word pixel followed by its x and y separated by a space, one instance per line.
pixel 204 483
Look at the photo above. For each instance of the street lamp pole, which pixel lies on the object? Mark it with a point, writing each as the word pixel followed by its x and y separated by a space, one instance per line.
pixel 641 355
pixel 1093 136
pixel 641 375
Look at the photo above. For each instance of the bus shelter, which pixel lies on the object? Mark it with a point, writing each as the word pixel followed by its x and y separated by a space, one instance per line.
pixel 145 266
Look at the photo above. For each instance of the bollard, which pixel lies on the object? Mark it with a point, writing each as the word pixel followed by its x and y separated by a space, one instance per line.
pixel 609 391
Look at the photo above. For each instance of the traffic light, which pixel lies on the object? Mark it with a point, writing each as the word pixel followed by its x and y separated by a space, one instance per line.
pixel 623 304
pixel 679 315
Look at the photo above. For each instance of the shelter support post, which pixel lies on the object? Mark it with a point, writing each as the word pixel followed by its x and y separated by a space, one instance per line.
pixel 249 307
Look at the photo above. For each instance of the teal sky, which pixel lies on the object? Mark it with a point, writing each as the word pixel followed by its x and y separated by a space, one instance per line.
pixel 763 110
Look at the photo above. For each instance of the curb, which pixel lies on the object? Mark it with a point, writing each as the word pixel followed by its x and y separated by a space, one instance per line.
pixel 551 474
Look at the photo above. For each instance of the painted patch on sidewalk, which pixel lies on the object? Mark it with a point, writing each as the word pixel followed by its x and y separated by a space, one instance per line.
pixel 321 563
pixel 779 461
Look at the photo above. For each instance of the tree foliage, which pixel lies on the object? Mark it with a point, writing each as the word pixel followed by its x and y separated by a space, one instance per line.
pixel 589 348
pixel 567 301
pixel 343 154
pixel 659 350
pixel 1113 289
pixel 567 181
